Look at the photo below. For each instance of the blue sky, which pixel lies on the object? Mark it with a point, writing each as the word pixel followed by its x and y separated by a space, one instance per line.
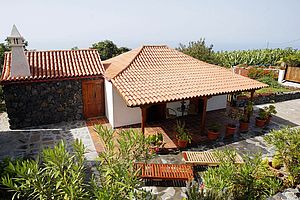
pixel 228 25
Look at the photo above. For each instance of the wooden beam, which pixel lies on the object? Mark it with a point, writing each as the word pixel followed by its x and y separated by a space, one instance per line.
pixel 203 117
pixel 144 116
pixel 252 95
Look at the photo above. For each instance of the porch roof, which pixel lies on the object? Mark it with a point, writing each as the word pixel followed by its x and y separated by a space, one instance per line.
pixel 153 74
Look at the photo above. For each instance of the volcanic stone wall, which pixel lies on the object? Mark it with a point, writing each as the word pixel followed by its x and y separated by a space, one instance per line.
pixel 31 104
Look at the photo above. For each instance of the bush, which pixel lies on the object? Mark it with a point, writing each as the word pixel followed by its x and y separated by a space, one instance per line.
pixel 118 176
pixel 57 174
pixel 250 180
pixel 286 142
pixel 270 81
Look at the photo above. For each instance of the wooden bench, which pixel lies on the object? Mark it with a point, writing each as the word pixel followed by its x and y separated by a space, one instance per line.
pixel 205 158
pixel 181 172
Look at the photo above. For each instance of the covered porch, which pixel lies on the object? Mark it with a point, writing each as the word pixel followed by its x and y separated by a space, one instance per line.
pixel 195 113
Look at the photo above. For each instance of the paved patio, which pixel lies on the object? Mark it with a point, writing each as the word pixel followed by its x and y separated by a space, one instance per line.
pixel 27 142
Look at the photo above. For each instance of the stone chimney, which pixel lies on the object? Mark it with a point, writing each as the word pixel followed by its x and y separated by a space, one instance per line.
pixel 19 63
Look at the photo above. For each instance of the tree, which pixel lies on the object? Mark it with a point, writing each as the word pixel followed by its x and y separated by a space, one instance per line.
pixel 108 49
pixel 75 48
pixel 199 50
pixel 3 48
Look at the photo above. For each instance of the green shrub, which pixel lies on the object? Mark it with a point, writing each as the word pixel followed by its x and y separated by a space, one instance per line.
pixel 118 176
pixel 287 144
pixel 270 81
pixel 276 161
pixel 57 174
pixel 250 180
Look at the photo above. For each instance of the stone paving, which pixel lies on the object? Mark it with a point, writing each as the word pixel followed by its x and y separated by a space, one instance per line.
pixel 245 143
pixel 29 141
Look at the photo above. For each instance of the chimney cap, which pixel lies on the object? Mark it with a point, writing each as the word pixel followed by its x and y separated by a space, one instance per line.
pixel 15 33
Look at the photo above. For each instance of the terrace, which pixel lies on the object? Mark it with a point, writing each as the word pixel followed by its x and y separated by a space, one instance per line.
pixel 200 141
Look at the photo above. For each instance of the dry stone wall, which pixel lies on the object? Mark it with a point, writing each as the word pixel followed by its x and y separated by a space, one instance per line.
pixel 31 104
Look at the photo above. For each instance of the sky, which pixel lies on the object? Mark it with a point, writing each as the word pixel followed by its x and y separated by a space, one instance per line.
pixel 227 24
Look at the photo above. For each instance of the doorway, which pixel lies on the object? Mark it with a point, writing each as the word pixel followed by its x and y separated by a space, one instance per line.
pixel 93 98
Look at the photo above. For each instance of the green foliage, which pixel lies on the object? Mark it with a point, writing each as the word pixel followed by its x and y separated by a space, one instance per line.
pixel 214 127
pixel 108 49
pixel 193 193
pixel 199 50
pixel 256 57
pixel 118 175
pixel 276 161
pixel 292 60
pixel 250 180
pixel 157 140
pixel 248 110
pixel 3 48
pixel 287 144
pixel 182 132
pixel 270 81
pixel 262 114
pixel 59 175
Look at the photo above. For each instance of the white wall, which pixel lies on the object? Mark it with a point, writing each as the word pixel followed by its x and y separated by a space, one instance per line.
pixel 124 115
pixel 176 105
pixel 109 108
pixel 217 102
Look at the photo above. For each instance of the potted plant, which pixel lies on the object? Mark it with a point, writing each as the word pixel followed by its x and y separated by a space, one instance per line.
pixel 245 119
pixel 213 131
pixel 183 136
pixel 234 114
pixel 260 121
pixel 156 142
pixel 270 110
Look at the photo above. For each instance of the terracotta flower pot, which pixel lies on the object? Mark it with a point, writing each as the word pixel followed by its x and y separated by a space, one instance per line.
pixel 244 126
pixel 182 143
pixel 230 130
pixel 212 135
pixel 260 122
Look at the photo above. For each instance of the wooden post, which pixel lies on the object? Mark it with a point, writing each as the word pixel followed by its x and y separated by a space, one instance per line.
pixel 144 115
pixel 203 117
pixel 252 95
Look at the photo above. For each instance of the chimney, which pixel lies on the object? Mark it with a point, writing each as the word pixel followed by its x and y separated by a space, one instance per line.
pixel 19 63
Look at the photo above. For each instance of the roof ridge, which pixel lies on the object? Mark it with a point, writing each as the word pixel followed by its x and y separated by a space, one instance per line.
pixel 52 50
pixel 155 45
pixel 137 54
pixel 7 52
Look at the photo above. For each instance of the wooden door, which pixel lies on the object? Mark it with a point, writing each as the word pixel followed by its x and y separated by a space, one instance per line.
pixel 293 74
pixel 93 98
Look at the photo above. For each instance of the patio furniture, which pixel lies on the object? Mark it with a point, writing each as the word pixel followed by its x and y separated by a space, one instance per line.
pixel 205 158
pixel 152 171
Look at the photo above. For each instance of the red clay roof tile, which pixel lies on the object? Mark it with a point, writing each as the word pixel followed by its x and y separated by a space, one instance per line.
pixel 56 64
pixel 153 74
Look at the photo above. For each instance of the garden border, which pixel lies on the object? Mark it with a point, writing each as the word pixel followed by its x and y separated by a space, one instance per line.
pixel 276 97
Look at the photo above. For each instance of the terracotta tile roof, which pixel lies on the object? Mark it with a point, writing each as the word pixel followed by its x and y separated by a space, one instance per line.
pixel 155 74
pixel 56 64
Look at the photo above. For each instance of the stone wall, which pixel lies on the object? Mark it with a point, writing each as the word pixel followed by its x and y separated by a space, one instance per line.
pixel 269 98
pixel 31 104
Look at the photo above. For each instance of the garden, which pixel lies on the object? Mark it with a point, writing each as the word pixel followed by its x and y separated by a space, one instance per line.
pixel 60 174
